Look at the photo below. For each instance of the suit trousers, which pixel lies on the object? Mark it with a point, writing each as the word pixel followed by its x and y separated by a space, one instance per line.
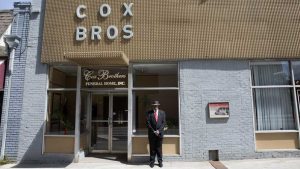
pixel 155 148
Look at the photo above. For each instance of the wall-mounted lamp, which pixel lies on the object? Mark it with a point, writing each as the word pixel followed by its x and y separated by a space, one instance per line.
pixel 12 41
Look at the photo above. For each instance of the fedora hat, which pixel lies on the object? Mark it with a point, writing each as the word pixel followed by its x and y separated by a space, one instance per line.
pixel 155 103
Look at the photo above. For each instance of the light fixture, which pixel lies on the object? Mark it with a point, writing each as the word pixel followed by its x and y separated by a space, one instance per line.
pixel 12 41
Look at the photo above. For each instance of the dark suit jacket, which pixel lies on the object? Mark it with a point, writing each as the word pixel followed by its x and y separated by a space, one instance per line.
pixel 153 125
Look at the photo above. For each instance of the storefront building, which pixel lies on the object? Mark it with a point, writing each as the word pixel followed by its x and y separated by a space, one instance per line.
pixel 225 72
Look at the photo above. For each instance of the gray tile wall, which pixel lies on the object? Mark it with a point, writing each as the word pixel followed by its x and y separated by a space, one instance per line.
pixel 20 27
pixel 208 81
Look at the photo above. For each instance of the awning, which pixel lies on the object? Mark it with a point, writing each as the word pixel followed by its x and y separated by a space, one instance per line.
pixel 98 58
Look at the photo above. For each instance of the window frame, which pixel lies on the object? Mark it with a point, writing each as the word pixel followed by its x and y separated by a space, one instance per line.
pixel 134 89
pixel 292 87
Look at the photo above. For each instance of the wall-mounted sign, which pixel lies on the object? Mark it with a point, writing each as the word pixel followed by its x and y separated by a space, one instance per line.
pixel 112 32
pixel 104 78
pixel 218 110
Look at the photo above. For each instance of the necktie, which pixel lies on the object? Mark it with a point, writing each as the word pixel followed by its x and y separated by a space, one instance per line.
pixel 156 115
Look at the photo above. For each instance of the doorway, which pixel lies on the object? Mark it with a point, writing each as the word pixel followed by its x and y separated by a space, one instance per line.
pixel 109 123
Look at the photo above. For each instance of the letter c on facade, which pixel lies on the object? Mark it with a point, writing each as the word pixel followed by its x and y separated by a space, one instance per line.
pixel 79 9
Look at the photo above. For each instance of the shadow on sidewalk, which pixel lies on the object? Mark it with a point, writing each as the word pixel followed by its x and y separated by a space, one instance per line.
pixel 102 158
pixel 62 165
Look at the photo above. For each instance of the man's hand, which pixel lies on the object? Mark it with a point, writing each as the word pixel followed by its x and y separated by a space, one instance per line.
pixel 156 132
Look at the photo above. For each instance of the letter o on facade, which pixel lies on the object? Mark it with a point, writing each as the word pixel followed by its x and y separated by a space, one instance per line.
pixel 105 10
pixel 112 32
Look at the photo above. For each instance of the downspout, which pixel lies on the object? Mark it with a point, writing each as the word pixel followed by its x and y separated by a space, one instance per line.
pixel 12 42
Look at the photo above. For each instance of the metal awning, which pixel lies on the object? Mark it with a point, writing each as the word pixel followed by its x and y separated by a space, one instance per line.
pixel 98 58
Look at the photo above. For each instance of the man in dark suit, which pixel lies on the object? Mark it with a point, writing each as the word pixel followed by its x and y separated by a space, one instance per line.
pixel 156 120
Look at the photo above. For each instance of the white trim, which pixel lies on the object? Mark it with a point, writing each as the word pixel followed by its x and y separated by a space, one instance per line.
pixel 48 135
pixel 253 108
pixel 272 86
pixel 272 150
pixel 165 155
pixel 104 90
pixel 62 89
pixel 179 109
pixel 277 131
pixel 77 116
pixel 296 102
pixel 46 111
pixel 130 113
pixel 279 62
pixel 165 136
pixel 155 88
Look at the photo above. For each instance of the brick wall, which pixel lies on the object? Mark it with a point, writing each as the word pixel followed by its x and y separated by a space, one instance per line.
pixel 19 27
pixel 208 81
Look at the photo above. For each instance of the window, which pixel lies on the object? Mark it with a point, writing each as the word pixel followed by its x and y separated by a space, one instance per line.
pixel 61 100
pixel 155 82
pixel 273 96
pixel 61 113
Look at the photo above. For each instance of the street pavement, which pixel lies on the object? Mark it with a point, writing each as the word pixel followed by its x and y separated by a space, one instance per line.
pixel 92 163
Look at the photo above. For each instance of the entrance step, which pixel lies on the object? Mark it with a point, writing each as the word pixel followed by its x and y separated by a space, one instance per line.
pixel 104 158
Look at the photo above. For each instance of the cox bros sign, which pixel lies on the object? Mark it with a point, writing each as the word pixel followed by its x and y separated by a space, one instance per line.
pixel 111 32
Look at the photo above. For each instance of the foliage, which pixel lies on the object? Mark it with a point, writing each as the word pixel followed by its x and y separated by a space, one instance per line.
pixel 4 161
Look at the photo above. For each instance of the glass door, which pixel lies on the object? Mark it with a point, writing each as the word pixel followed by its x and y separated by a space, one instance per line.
pixel 100 123
pixel 120 123
pixel 109 123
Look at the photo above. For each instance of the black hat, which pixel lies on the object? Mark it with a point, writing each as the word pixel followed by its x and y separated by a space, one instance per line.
pixel 155 103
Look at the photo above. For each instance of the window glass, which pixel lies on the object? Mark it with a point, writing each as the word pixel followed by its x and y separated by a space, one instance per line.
pixel 155 75
pixel 168 102
pixel 271 74
pixel 61 113
pixel 274 109
pixel 63 77
pixel 296 69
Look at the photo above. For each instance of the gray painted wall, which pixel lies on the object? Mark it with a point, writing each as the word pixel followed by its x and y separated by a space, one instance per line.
pixel 28 100
pixel 35 97
pixel 19 27
pixel 208 81
pixel 205 81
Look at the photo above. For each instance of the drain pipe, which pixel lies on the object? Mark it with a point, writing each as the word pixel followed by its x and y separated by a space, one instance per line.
pixel 12 42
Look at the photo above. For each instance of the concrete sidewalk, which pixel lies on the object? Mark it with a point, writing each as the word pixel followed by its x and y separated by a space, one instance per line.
pixel 276 163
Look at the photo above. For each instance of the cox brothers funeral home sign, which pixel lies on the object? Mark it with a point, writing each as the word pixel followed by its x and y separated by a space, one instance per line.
pixel 104 78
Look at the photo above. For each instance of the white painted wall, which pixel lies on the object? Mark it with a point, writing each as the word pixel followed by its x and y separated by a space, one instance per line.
pixel 7 32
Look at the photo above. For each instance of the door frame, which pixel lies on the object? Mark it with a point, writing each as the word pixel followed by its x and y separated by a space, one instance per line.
pixel 111 95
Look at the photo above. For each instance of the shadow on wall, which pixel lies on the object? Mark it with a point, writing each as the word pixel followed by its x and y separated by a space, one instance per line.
pixel 40 68
pixel 33 157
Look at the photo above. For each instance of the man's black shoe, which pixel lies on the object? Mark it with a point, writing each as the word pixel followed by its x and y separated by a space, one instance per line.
pixel 160 165
pixel 151 165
